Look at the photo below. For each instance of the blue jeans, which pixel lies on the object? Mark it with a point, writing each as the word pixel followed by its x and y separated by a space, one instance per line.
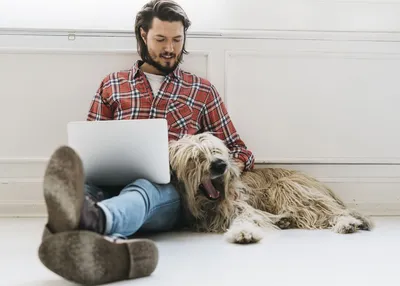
pixel 141 206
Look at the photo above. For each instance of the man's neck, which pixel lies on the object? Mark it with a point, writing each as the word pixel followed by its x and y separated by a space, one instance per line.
pixel 145 67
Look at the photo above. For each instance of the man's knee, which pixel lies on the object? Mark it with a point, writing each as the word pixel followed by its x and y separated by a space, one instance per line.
pixel 143 186
pixel 143 183
pixel 160 193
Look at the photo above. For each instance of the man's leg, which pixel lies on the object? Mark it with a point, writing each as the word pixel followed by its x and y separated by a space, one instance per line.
pixel 82 256
pixel 71 218
pixel 144 206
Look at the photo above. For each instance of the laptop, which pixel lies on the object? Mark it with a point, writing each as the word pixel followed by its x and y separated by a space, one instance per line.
pixel 117 152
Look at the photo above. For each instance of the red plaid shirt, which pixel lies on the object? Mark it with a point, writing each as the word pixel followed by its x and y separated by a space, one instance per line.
pixel 189 103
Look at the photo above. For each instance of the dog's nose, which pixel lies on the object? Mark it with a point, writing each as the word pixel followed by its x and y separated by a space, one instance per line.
pixel 218 166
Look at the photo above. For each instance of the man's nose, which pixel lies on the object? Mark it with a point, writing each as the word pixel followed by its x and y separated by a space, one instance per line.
pixel 169 47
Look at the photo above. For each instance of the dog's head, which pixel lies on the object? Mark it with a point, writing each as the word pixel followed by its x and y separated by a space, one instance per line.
pixel 202 163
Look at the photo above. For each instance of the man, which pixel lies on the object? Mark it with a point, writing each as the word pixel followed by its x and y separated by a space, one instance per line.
pixel 83 217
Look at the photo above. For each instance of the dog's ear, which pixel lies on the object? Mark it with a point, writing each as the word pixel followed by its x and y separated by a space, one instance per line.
pixel 172 148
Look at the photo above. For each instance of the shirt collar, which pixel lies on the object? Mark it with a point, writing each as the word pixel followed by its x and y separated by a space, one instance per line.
pixel 136 71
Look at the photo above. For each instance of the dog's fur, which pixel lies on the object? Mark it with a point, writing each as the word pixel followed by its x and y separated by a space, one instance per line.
pixel 253 201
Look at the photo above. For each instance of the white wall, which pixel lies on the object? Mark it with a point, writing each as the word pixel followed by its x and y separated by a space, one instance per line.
pixel 321 15
pixel 314 88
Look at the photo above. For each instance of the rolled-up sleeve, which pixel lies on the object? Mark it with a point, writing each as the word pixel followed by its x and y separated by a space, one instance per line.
pixel 217 121
pixel 100 108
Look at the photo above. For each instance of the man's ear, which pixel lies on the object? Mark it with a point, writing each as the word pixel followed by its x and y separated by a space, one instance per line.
pixel 143 35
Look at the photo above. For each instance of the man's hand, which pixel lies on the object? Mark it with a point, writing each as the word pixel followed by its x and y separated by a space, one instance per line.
pixel 240 163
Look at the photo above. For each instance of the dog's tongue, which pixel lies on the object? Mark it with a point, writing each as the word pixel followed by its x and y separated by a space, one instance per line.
pixel 209 188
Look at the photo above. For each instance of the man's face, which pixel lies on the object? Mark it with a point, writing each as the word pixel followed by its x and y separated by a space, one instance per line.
pixel 164 42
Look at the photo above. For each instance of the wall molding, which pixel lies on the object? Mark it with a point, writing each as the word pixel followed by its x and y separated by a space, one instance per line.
pixel 72 33
pixel 256 34
pixel 330 161
pixel 72 51
pixel 313 35
pixel 352 161
pixel 312 53
pixel 372 180
pixel 93 51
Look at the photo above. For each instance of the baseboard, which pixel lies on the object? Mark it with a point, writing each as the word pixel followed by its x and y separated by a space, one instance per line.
pixel 37 209
pixel 371 189
pixel 20 207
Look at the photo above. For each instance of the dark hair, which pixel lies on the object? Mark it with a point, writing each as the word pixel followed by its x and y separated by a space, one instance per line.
pixel 165 10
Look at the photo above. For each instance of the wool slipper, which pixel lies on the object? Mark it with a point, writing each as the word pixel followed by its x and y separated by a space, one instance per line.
pixel 92 259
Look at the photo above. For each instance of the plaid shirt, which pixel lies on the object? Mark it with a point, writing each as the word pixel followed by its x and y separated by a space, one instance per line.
pixel 189 103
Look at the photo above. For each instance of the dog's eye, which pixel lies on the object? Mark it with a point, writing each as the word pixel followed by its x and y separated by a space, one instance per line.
pixel 214 151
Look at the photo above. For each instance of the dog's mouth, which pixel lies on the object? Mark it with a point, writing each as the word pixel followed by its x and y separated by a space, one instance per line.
pixel 208 187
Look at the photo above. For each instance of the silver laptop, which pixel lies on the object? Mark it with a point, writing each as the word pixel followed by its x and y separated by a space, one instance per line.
pixel 117 152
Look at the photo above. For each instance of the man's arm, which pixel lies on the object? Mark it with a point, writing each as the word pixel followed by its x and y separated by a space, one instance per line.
pixel 217 121
pixel 100 108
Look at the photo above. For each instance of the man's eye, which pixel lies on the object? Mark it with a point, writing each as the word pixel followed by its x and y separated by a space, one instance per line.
pixel 159 40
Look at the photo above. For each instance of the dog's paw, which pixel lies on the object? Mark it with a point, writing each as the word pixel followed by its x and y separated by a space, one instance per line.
pixel 285 223
pixel 347 224
pixel 367 223
pixel 244 234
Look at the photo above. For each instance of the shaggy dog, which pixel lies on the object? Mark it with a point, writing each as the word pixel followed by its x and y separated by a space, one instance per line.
pixel 217 198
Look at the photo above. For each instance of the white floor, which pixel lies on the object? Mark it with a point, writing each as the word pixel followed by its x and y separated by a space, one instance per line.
pixel 291 257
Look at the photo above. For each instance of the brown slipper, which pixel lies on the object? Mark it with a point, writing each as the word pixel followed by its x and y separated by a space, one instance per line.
pixel 89 258
pixel 63 187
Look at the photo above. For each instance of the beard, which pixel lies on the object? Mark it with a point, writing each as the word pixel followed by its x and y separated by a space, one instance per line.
pixel 165 69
